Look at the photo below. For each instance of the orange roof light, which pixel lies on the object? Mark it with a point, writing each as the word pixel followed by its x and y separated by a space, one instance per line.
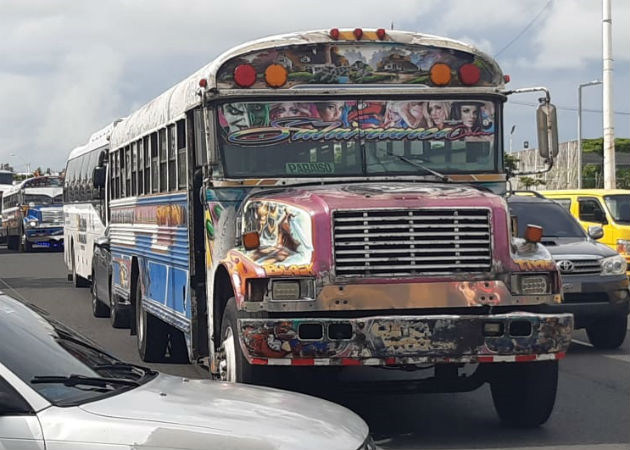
pixel 533 233
pixel 440 74
pixel 276 75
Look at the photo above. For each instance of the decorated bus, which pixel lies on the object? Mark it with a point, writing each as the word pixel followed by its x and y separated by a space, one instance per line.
pixel 334 198
pixel 32 214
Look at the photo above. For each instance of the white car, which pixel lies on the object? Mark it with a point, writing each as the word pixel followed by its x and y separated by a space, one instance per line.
pixel 58 390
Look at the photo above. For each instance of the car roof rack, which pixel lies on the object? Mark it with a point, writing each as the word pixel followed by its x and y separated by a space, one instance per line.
pixel 524 191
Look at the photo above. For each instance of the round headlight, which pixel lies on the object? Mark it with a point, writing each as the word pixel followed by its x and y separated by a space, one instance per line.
pixel 33 223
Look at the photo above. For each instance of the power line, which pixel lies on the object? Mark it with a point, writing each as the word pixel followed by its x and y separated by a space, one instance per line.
pixel 568 108
pixel 527 27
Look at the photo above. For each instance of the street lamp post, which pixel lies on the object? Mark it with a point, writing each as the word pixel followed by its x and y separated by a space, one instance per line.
pixel 511 133
pixel 579 127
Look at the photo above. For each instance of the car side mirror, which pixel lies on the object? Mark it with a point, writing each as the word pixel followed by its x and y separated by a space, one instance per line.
pixel 98 177
pixel 595 232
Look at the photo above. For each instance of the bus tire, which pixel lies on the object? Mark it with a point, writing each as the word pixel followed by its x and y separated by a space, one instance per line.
pixel 151 332
pixel 99 309
pixel 233 365
pixel 524 393
pixel 608 333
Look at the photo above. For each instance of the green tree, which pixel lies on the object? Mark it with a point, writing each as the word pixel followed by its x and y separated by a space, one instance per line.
pixel 529 182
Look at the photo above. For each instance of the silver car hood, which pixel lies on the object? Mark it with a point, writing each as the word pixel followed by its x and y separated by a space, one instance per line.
pixel 201 413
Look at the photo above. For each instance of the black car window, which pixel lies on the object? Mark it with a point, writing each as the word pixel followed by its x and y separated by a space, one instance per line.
pixel 553 218
pixel 11 402
pixel 591 210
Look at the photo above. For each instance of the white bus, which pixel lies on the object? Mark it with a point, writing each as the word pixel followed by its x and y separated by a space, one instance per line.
pixel 6 182
pixel 85 207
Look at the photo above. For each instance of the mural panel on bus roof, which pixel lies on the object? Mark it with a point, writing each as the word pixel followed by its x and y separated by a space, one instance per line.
pixel 365 63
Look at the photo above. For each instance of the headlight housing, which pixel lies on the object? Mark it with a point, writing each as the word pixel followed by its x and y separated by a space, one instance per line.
pixel 614 265
pixel 531 284
pixel 32 223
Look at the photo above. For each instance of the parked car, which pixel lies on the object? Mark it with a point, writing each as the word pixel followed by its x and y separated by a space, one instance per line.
pixel 608 208
pixel 104 303
pixel 594 279
pixel 58 390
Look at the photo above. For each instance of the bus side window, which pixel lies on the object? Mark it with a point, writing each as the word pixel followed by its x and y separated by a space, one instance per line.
pixel 181 154
pixel 172 161
pixel 134 169
pixel 147 164
pixel 155 165
pixel 140 166
pixel 163 159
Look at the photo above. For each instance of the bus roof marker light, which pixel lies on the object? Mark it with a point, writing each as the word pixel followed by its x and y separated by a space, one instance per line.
pixel 381 33
pixel 245 75
pixel 334 33
pixel 203 83
pixel 440 74
pixel 506 78
pixel 276 75
pixel 469 74
pixel 358 33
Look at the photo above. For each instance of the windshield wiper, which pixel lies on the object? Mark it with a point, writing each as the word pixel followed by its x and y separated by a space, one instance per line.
pixel 140 371
pixel 441 176
pixel 76 380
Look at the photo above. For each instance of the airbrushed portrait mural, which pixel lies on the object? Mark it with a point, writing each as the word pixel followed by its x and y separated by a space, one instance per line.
pixel 285 234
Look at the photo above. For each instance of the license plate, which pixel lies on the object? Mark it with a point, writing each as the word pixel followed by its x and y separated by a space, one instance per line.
pixel 572 287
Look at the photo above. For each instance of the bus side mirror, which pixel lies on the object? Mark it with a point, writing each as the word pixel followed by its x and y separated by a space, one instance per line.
pixel 98 177
pixel 547 124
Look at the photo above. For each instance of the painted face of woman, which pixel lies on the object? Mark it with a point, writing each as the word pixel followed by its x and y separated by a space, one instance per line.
pixel 469 115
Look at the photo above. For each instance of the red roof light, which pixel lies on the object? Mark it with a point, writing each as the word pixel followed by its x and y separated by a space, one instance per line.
pixel 203 83
pixel 245 75
pixel 506 78
pixel 381 33
pixel 469 74
pixel 358 33
pixel 334 33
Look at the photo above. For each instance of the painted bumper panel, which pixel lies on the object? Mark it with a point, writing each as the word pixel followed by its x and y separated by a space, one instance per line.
pixel 406 340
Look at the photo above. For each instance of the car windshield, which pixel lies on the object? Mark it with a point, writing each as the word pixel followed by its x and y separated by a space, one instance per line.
pixel 553 218
pixel 55 351
pixel 357 137
pixel 619 207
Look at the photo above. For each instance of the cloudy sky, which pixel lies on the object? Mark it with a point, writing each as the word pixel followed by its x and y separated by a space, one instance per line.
pixel 68 67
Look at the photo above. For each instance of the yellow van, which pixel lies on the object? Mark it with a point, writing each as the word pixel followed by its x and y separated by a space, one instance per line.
pixel 608 208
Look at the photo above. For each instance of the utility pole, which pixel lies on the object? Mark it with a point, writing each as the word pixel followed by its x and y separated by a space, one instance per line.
pixel 579 129
pixel 610 181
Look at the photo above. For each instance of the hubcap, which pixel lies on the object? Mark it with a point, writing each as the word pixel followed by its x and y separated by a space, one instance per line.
pixel 227 358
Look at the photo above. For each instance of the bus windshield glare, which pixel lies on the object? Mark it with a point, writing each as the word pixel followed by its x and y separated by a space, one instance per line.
pixel 357 138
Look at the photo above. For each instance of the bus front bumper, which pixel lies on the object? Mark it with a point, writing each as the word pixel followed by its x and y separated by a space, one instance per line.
pixel 406 340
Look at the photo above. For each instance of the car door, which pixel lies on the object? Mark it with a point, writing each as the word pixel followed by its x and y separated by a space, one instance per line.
pixel 19 425
pixel 592 213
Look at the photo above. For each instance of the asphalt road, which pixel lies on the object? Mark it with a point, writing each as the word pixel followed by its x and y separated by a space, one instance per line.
pixel 592 409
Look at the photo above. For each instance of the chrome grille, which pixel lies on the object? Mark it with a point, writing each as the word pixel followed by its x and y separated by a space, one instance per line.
pixel 581 266
pixel 411 242
pixel 52 215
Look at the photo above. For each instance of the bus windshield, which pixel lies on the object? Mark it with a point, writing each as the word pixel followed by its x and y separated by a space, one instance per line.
pixel 357 138
pixel 6 178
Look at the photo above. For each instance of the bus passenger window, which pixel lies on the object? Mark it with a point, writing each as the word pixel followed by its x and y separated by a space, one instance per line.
pixel 134 169
pixel 181 154
pixel 140 167
pixel 147 164
pixel 155 176
pixel 162 147
pixel 172 162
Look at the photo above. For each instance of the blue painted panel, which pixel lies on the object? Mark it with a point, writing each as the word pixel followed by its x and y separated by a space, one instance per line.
pixel 115 272
pixel 156 287
pixel 178 295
